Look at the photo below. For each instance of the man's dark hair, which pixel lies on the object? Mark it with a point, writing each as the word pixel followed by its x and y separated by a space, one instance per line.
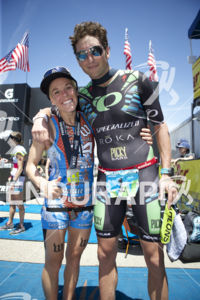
pixel 89 28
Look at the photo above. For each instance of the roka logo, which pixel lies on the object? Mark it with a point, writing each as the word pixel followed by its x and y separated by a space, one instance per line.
pixel 9 93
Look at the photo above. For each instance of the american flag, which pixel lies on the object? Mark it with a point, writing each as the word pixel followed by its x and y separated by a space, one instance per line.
pixel 17 57
pixel 127 51
pixel 152 64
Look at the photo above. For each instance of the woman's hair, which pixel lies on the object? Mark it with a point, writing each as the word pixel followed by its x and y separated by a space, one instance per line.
pixel 16 136
pixel 89 28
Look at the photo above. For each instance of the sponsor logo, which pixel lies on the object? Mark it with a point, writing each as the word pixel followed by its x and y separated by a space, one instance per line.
pixel 2 119
pixel 118 153
pixel 117 126
pixel 85 130
pixel 116 138
pixel 4 188
pixel 97 220
pixel 112 98
pixel 9 100
pixel 168 226
pixel 155 224
pixel 151 113
pixel 9 93
pixel 85 215
pixel 18 295
pixel 104 233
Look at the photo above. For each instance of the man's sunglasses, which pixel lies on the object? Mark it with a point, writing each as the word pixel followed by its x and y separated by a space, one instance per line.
pixel 95 51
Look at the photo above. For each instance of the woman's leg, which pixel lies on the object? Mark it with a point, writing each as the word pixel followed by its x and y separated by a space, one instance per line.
pixel 77 241
pixel 54 250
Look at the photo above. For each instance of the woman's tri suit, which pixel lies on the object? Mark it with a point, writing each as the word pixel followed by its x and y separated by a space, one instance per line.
pixel 117 113
pixel 76 183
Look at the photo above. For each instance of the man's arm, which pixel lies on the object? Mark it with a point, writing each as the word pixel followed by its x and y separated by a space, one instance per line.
pixel 164 145
pixel 40 129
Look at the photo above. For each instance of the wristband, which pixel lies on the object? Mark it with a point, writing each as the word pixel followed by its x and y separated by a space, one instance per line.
pixel 41 115
pixel 167 171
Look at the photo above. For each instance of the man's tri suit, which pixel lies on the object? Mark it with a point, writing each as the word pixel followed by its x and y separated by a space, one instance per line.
pixel 76 183
pixel 117 113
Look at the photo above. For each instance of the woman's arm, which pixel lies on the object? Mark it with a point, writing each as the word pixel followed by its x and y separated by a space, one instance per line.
pixel 50 189
pixel 35 155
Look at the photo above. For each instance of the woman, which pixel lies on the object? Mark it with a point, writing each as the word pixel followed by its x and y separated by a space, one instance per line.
pixel 16 180
pixel 68 192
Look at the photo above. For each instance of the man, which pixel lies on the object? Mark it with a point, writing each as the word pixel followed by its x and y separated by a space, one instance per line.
pixel 117 105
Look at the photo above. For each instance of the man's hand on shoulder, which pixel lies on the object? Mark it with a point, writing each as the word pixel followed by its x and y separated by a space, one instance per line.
pixel 40 129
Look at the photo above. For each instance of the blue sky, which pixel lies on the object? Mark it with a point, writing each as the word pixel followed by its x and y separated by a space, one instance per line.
pixel 51 22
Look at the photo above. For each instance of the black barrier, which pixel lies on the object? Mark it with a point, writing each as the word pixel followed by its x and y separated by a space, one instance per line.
pixel 14 106
pixel 5 173
pixel 18 104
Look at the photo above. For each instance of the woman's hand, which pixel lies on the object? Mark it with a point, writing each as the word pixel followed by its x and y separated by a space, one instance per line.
pixel 51 189
pixel 146 135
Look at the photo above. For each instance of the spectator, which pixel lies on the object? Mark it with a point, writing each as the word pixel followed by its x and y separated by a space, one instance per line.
pixel 16 179
pixel 184 151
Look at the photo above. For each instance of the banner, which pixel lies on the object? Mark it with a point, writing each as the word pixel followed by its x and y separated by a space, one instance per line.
pixel 14 103
pixel 196 78
pixel 189 185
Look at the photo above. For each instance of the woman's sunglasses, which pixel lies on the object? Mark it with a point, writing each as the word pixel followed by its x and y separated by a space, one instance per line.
pixel 95 51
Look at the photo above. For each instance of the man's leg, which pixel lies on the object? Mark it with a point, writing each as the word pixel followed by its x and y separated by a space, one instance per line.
pixel 54 250
pixel 77 241
pixel 157 279
pixel 107 252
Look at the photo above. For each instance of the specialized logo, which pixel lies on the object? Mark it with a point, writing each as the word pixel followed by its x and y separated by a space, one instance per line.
pixel 118 153
pixel 117 126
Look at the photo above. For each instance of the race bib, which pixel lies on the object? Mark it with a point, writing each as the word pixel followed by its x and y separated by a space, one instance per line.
pixel 122 183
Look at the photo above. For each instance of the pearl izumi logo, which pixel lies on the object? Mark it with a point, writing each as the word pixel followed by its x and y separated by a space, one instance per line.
pixel 118 153
pixel 9 93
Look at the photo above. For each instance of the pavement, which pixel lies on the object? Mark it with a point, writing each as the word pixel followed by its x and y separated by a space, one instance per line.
pixel 33 252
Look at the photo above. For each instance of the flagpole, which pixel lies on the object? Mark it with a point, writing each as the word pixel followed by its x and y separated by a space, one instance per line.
pixel 150 46
pixel 152 64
